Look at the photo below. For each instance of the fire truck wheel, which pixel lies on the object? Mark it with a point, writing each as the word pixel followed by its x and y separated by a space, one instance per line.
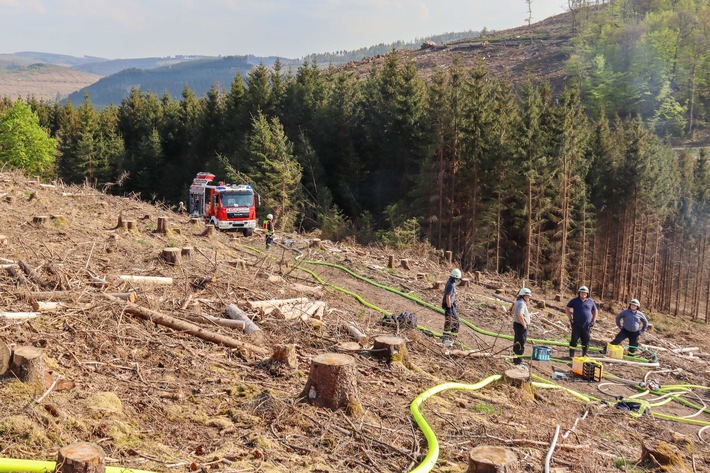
pixel 248 232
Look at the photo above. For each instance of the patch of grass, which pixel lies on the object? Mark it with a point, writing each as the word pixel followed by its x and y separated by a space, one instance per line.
pixel 484 408
pixel 627 465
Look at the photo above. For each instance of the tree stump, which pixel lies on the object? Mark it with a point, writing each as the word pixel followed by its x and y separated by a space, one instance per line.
pixel 286 356
pixel 517 377
pixel 3 240
pixel 500 290
pixel 121 224
pixel 392 349
pixel 448 256
pixel 465 282
pixel 492 459
pixel 240 264
pixel 210 231
pixel 28 365
pixel 406 264
pixel 81 457
pixel 60 219
pixel 195 220
pixel 131 226
pixel 163 225
pixel 315 243
pixel 186 252
pixel 349 346
pixel 171 256
pixel 40 220
pixel 390 261
pixel 332 383
pixel 477 276
pixel 10 199
pixel 421 276
pixel 541 305
pixel 5 355
pixel 558 297
pixel 438 284
pixel 658 452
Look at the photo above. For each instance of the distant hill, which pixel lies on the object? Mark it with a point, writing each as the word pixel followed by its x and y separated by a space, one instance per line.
pixel 108 67
pixel 43 81
pixel 64 60
pixel 199 75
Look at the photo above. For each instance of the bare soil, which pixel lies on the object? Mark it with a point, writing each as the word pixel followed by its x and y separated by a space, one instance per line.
pixel 163 400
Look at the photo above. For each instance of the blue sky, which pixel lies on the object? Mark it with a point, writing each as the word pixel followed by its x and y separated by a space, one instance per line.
pixel 117 29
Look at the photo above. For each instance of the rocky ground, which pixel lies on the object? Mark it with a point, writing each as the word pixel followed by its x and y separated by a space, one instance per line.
pixel 160 399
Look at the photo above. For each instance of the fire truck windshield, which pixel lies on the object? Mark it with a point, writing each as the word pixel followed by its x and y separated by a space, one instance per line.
pixel 231 199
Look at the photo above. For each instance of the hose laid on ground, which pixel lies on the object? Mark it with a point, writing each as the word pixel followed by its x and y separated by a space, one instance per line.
pixel 11 465
pixel 432 443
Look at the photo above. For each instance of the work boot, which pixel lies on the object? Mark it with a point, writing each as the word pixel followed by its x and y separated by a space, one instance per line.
pixel 571 353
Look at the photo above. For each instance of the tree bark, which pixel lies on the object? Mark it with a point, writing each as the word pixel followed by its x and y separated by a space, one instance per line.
pixel 332 383
pixel 250 328
pixel 492 459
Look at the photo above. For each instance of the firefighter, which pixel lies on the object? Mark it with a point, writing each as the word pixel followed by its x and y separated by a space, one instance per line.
pixel 632 323
pixel 269 228
pixel 448 303
pixel 521 321
pixel 582 313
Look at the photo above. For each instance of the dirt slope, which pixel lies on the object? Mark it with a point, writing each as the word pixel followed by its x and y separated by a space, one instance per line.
pixel 43 81
pixel 159 399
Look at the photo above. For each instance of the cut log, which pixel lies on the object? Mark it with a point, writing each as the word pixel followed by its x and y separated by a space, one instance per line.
pixel 146 279
pixel 81 457
pixel 359 337
pixel 99 282
pixel 8 265
pixel 285 355
pixel 163 225
pixel 171 256
pixel 5 355
pixel 238 324
pixel 28 365
pixel 186 252
pixel 314 291
pixel 448 256
pixel 12 271
pixel 40 220
pixel 46 306
pixel 250 328
pixel 267 307
pixel 187 327
pixel 390 261
pixel 392 349
pixel 332 383
pixel 492 459
pixel 19 315
pixel 406 264
pixel 70 296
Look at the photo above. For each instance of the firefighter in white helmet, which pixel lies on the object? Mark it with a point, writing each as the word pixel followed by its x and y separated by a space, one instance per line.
pixel 448 303
pixel 269 229
pixel 632 323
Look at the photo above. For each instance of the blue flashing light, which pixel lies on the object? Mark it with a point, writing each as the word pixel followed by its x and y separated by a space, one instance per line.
pixel 220 188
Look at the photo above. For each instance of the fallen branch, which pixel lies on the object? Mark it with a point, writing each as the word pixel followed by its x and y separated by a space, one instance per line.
pixel 187 327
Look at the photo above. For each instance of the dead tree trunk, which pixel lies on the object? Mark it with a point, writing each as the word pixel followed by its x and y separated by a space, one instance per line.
pixel 250 328
pixel 492 459
pixel 332 383
pixel 392 349
pixel 81 457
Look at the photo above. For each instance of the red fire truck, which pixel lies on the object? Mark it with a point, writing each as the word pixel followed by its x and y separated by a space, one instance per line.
pixel 226 206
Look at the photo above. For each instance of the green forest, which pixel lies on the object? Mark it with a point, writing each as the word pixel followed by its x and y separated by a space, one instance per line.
pixel 569 187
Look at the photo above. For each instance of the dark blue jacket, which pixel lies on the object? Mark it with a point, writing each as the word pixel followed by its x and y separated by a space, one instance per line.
pixel 582 312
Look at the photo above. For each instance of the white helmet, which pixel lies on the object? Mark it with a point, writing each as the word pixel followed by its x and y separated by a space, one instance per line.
pixel 270 217
pixel 456 273
pixel 525 292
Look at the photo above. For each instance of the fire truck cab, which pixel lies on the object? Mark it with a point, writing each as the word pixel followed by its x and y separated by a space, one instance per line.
pixel 226 206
